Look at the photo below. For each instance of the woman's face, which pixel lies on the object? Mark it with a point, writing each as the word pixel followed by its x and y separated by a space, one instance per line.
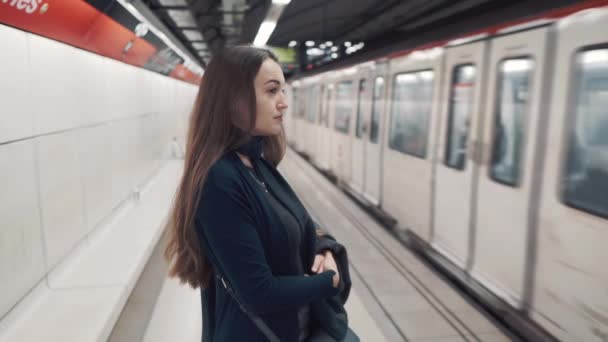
pixel 269 86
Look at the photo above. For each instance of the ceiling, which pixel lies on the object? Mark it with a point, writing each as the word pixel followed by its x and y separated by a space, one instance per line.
pixel 205 26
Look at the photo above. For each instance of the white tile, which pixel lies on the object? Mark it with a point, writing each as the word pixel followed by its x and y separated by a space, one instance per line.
pixel 115 256
pixel 83 315
pixel 54 83
pixel 118 139
pixel 21 253
pixel 61 192
pixel 116 253
pixel 16 111
pixel 121 89
pixel 91 95
pixel 96 163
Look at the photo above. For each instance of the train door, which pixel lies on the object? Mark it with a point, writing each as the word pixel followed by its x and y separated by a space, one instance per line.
pixel 373 149
pixel 344 110
pixel 359 139
pixel 570 296
pixel 511 124
pixel 409 143
pixel 462 96
pixel 324 130
pixel 300 118
pixel 290 124
pixel 312 114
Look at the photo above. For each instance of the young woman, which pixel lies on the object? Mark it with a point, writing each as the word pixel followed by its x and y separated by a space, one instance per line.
pixel 237 230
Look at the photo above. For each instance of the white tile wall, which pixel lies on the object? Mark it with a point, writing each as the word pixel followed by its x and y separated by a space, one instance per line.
pixel 21 251
pixel 61 193
pixel 91 94
pixel 87 144
pixel 118 142
pixel 95 160
pixel 55 82
pixel 15 109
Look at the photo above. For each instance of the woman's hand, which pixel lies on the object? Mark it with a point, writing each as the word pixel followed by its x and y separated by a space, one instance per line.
pixel 325 262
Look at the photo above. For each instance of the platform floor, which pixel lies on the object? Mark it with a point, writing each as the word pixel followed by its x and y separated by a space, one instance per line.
pixel 395 297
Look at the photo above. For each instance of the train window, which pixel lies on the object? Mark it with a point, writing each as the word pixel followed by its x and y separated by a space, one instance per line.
pixel 377 105
pixel 343 106
pixel 360 95
pixel 410 111
pixel 585 183
pixel 459 115
pixel 511 106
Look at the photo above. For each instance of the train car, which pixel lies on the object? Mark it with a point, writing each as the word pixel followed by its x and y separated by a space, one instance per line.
pixel 571 277
pixel 492 151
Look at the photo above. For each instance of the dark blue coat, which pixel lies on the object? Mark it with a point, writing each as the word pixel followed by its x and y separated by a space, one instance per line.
pixel 244 237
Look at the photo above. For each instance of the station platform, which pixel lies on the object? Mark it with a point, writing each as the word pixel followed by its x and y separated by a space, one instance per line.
pixel 395 296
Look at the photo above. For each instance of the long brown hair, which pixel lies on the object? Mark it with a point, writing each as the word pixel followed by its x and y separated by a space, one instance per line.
pixel 222 119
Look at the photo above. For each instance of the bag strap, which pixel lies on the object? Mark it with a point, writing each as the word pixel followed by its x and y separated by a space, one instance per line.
pixel 257 320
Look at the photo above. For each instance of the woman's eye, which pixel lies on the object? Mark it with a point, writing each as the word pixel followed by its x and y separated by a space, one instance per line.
pixel 274 90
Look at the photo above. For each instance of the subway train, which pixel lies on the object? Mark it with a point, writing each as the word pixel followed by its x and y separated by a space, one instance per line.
pixel 490 149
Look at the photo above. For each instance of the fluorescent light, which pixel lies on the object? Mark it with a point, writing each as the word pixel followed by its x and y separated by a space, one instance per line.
pixel 281 2
pixel 310 43
pixel 314 52
pixel 328 43
pixel 264 33
pixel 182 18
pixel 293 43
pixel 192 34
pixel 188 63
pixel 334 48
pixel 347 44
pixel 334 55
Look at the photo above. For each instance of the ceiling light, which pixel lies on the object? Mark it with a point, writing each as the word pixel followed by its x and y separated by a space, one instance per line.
pixel 199 46
pixel 334 55
pixel 293 43
pixel 182 18
pixel 193 34
pixel 310 43
pixel 264 33
pixel 347 44
pixel 281 2
pixel 314 52
pixel 329 43
pixel 322 46
pixel 173 2
pixel 334 48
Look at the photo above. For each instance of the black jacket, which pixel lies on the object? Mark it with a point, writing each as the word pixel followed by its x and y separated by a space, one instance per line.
pixel 244 238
